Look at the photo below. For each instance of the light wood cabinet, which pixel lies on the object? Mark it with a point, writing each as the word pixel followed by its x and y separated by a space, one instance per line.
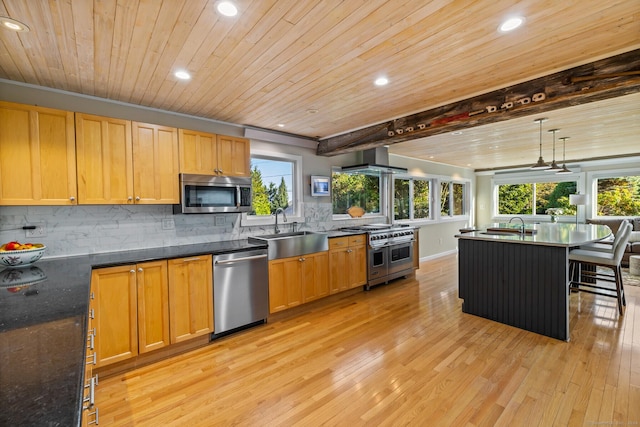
pixel 347 262
pixel 122 162
pixel 190 297
pixel 105 160
pixel 211 154
pixel 153 305
pixel 315 276
pixel 155 164
pixel 115 310
pixel 37 156
pixel 233 156
pixel 130 310
pixel 296 280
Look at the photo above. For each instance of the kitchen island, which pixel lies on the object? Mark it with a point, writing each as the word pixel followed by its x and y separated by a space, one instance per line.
pixel 43 330
pixel 522 279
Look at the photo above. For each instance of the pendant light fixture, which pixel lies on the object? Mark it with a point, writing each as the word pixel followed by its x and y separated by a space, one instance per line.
pixel 540 165
pixel 554 166
pixel 564 170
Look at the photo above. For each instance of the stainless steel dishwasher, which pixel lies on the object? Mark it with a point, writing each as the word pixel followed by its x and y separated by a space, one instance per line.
pixel 240 290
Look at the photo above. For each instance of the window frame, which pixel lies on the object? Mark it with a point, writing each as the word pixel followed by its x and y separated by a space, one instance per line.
pixel 383 184
pixel 434 199
pixel 466 199
pixel 247 220
pixel 531 178
pixel 412 178
pixel 592 184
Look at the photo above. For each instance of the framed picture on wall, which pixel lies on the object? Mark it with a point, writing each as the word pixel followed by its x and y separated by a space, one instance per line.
pixel 320 186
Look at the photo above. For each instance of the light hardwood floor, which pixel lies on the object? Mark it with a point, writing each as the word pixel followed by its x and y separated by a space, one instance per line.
pixel 401 354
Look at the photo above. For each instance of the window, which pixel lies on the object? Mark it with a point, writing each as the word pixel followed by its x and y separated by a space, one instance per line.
pixel 536 198
pixel 411 198
pixel 272 185
pixel 355 189
pixel 618 196
pixel 452 199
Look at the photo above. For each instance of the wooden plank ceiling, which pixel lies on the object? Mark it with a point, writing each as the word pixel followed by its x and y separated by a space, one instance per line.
pixel 310 65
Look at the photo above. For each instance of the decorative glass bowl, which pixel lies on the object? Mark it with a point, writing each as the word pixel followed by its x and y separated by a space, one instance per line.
pixel 21 258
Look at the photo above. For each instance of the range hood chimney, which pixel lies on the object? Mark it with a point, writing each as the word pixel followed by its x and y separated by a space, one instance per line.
pixel 376 161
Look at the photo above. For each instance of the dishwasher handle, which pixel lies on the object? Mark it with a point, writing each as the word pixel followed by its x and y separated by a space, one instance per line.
pixel 234 260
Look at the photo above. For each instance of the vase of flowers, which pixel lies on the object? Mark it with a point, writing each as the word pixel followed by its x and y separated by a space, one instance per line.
pixel 554 212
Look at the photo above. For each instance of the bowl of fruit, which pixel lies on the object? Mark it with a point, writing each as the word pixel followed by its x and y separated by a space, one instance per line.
pixel 15 254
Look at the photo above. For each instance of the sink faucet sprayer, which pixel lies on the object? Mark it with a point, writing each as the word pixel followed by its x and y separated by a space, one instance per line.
pixel 521 228
pixel 284 218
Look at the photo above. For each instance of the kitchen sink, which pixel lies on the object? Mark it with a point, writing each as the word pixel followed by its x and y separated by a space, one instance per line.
pixel 284 245
pixel 499 233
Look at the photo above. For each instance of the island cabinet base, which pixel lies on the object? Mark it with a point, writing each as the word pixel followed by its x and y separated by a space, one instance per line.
pixel 517 284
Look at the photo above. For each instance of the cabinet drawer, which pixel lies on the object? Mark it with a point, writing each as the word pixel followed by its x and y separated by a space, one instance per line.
pixel 358 240
pixel 338 242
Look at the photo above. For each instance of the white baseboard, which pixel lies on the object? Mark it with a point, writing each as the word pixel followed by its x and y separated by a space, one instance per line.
pixel 439 255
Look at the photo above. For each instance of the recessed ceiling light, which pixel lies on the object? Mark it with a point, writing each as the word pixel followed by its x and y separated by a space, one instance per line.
pixel 227 8
pixel 458 132
pixel 182 75
pixel 280 125
pixel 381 81
pixel 13 25
pixel 312 111
pixel 511 24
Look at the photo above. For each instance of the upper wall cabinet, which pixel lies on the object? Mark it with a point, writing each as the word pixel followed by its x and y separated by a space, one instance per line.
pixel 155 164
pixel 122 162
pixel 210 154
pixel 37 156
pixel 105 160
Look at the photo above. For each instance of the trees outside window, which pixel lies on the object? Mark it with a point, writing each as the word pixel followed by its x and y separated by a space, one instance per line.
pixel 452 198
pixel 272 186
pixel 354 189
pixel 411 198
pixel 618 196
pixel 520 199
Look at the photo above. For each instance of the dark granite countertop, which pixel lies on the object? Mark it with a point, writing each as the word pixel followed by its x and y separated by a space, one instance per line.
pixel 43 330
pixel 343 233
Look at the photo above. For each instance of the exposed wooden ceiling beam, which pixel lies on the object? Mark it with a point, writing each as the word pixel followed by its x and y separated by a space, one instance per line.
pixel 607 78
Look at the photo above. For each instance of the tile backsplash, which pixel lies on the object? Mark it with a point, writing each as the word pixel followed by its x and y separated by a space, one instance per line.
pixel 86 229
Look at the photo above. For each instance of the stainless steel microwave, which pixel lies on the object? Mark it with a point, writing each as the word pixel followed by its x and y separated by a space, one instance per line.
pixel 213 194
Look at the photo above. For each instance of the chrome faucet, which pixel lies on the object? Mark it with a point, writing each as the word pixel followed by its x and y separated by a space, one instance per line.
pixel 284 218
pixel 521 228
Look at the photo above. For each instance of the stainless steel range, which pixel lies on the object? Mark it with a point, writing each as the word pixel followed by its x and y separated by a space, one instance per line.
pixel 390 252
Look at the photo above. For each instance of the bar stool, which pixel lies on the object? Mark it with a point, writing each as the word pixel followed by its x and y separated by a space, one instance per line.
pixel 599 258
pixel 606 247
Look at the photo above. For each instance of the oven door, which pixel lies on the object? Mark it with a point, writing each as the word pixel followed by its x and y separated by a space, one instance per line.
pixel 400 257
pixel 378 259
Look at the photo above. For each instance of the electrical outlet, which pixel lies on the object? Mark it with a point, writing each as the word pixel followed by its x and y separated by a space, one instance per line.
pixel 219 220
pixel 168 224
pixel 39 231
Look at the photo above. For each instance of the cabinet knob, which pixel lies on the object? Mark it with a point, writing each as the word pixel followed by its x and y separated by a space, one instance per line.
pixel 137 198
pixel 216 170
pixel 220 171
pixel 132 271
pixel 349 251
pixel 129 198
pixel 73 199
pixel 140 270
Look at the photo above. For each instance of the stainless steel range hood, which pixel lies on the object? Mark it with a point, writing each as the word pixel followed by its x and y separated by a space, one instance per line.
pixel 376 161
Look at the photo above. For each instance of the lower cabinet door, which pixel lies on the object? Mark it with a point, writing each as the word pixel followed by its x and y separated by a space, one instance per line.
pixel 153 305
pixel 190 297
pixel 115 314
